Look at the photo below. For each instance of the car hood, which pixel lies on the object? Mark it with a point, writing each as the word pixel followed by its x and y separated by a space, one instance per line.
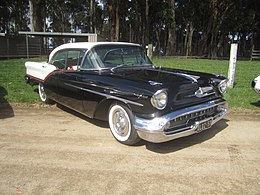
pixel 167 78
pixel 184 87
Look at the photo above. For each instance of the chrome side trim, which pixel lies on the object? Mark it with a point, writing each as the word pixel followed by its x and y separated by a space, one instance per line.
pixel 153 129
pixel 106 95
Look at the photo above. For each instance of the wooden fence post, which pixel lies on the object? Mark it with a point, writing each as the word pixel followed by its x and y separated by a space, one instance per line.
pixel 150 50
pixel 232 64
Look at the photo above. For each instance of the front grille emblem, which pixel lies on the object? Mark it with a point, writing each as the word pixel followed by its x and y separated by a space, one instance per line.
pixel 204 91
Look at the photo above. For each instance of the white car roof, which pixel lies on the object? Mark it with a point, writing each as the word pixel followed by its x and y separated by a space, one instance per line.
pixel 86 45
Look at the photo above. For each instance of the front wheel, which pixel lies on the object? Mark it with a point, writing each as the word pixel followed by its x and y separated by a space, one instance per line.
pixel 44 98
pixel 121 127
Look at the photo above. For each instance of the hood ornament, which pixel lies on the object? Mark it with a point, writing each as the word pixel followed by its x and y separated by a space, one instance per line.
pixel 154 83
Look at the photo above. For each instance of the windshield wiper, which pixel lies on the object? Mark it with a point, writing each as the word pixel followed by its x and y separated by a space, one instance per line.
pixel 119 66
pixel 131 66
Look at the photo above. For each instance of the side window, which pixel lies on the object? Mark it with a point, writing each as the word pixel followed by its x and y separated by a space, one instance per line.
pixel 90 61
pixel 59 59
pixel 74 59
pixel 68 59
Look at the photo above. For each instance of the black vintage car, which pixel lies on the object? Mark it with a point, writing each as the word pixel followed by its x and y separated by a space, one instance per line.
pixel 117 82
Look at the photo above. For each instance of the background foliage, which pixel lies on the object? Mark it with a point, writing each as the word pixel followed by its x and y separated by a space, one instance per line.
pixel 13 88
pixel 175 27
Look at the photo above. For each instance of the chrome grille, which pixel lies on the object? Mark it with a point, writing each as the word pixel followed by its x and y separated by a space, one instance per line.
pixel 185 122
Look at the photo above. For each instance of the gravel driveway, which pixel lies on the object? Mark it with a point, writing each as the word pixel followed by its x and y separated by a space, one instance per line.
pixel 52 150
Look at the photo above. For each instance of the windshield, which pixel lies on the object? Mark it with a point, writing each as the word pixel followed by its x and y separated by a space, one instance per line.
pixel 112 56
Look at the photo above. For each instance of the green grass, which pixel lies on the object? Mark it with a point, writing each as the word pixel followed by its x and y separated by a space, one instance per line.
pixel 13 88
pixel 242 95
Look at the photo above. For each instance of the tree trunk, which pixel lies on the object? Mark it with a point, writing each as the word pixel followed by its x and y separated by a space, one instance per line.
pixel 171 47
pixel 31 5
pixel 214 29
pixel 190 31
pixel 92 20
pixel 36 16
pixel 117 37
pixel 147 34
pixel 158 41
pixel 215 23
pixel 185 46
pixel 114 20
pixel 130 32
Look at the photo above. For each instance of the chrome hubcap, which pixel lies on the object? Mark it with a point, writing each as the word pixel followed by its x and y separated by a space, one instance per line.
pixel 120 123
pixel 42 92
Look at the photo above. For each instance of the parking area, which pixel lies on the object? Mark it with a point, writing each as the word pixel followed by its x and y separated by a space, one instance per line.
pixel 52 150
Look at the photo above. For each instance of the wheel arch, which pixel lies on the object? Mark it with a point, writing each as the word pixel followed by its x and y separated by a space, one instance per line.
pixel 102 109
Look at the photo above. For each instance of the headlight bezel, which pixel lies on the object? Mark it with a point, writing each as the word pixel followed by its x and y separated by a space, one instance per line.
pixel 160 99
pixel 222 86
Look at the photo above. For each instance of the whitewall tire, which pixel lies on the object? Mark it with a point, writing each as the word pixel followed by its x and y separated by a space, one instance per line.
pixel 44 98
pixel 120 122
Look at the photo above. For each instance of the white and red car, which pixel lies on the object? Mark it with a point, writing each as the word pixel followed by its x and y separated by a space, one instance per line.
pixel 256 84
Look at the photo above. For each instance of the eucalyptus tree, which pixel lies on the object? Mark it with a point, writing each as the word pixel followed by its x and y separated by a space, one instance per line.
pixel 13 16
pixel 174 27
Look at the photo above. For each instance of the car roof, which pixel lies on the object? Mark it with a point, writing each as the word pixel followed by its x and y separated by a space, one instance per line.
pixel 87 45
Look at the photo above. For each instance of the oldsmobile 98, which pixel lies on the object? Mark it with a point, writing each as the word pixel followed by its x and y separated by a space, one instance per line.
pixel 118 83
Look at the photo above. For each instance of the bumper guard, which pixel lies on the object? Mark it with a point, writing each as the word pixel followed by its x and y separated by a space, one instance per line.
pixel 156 130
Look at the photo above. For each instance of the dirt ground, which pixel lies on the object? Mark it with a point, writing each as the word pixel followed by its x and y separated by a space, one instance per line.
pixel 52 150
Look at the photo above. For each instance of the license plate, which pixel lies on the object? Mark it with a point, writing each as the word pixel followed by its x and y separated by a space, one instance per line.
pixel 204 125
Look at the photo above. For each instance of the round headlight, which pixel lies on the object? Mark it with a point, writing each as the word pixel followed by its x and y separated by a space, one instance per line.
pixel 222 86
pixel 159 99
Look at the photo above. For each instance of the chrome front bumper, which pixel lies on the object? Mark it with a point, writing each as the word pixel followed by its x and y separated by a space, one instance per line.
pixel 158 130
